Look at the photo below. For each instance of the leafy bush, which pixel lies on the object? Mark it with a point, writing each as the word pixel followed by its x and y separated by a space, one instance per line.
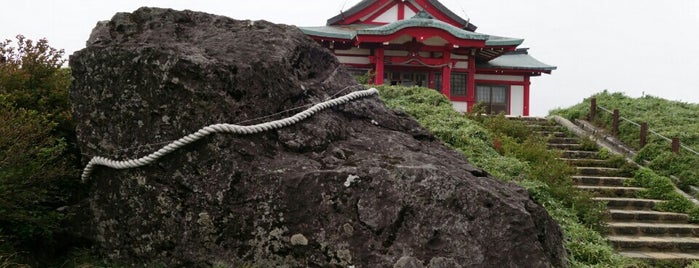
pixel 38 167
pixel 33 170
pixel 365 78
pixel 507 150
pixel 31 77
pixel 659 187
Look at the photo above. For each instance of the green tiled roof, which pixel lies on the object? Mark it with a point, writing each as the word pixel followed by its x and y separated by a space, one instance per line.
pixel 503 41
pixel 349 33
pixel 422 19
pixel 330 32
pixel 422 22
pixel 517 60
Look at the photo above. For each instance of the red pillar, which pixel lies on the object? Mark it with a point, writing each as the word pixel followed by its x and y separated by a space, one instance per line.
pixel 471 83
pixel 378 56
pixel 446 74
pixel 401 10
pixel 527 82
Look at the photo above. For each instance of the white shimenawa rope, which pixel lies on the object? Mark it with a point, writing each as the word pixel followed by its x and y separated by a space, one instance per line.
pixel 221 128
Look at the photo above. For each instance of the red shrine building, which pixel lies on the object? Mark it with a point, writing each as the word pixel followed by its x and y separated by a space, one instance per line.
pixel 422 43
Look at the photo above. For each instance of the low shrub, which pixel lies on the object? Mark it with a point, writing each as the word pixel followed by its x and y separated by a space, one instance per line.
pixel 35 177
pixel 659 187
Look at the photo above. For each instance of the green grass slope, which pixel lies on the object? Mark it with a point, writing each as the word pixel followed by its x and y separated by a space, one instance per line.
pixel 668 118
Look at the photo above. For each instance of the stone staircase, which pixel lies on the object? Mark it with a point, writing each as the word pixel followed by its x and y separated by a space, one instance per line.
pixel 634 228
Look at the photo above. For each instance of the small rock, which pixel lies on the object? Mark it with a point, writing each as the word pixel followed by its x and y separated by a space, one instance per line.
pixel 299 240
pixel 408 262
pixel 350 180
pixel 348 229
pixel 441 262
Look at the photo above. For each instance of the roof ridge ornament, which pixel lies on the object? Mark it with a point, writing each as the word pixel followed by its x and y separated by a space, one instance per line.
pixel 422 14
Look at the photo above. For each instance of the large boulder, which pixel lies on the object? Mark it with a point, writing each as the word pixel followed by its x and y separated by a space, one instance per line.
pixel 357 184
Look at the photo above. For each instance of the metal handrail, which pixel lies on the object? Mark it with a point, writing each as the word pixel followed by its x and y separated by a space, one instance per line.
pixel 620 117
pixel 650 130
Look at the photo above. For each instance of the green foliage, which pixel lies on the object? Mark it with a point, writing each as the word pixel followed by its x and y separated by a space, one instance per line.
pixel 9 260
pixel 436 113
pixel 669 118
pixel 38 167
pixel 84 258
pixel 32 78
pixel 587 144
pixel 33 170
pixel 603 153
pixel 657 157
pixel 366 78
pixel 509 151
pixel 659 187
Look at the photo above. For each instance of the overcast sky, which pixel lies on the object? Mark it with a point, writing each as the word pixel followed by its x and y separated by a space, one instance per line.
pixel 630 46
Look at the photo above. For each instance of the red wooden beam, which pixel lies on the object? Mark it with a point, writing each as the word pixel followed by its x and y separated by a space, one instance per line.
pixel 501 82
pixel 423 48
pixel 437 14
pixel 471 84
pixel 353 18
pixel 379 57
pixel 412 7
pixel 527 83
pixel 511 71
pixel 379 13
pixel 446 76
pixel 416 59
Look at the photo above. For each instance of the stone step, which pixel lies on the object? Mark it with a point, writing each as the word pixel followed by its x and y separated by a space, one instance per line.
pixel 678 258
pixel 528 119
pixel 582 162
pixel 599 180
pixel 611 191
pixel 541 125
pixel 537 127
pixel 652 229
pixel 628 203
pixel 649 216
pixel 559 134
pixel 564 146
pixel 563 140
pixel 579 154
pixel 655 243
pixel 603 171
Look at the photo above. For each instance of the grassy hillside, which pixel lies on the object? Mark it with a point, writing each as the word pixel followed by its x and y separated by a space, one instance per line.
pixel 507 150
pixel 669 118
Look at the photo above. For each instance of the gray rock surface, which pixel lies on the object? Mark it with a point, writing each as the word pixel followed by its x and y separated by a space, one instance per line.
pixel 355 185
